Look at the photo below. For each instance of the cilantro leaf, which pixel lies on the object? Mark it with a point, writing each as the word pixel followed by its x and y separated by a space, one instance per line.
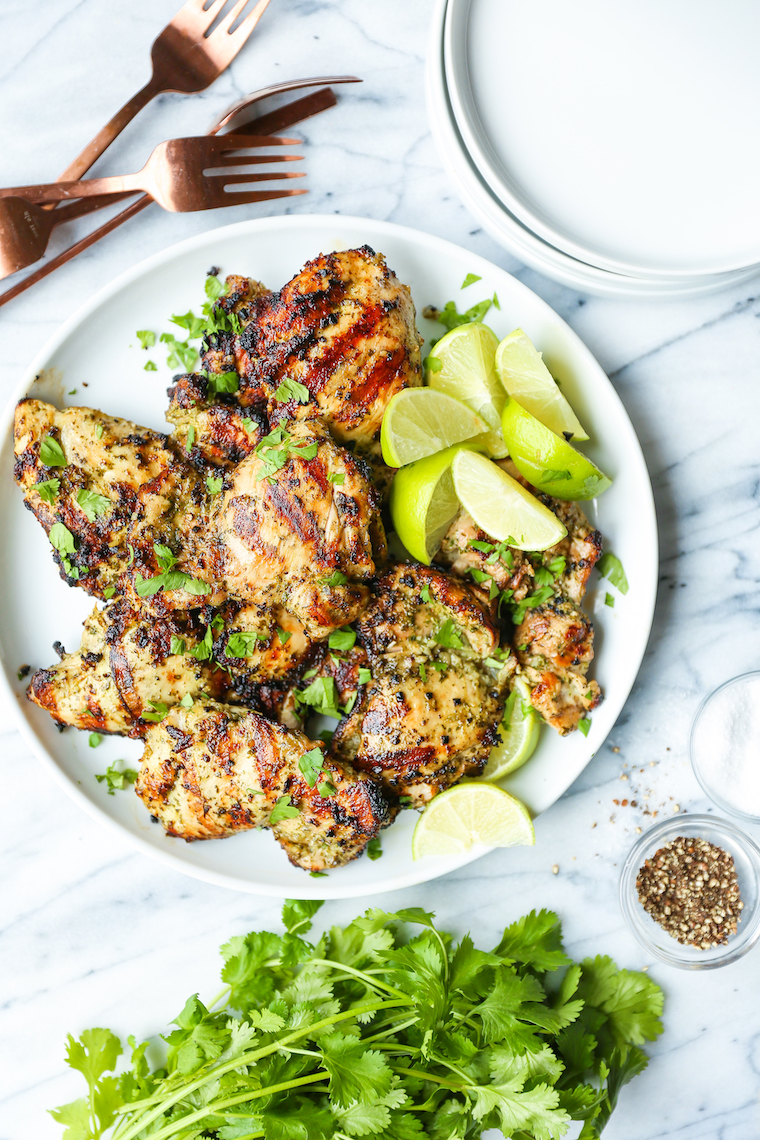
pixel 451 319
pixel 535 941
pixel 93 504
pixel 358 1075
pixel 311 764
pixel 283 635
pixel 245 644
pixel 51 453
pixel 470 279
pixel 374 849
pixel 321 695
pixel 342 639
pixel 62 539
pixel 195 325
pixel 337 478
pixel 283 809
pixel 337 578
pixel 222 382
pixel 214 484
pixel 213 287
pixel 116 779
pixel 298 913
pixel 146 338
pixel 150 366
pixel 365 675
pixel 181 352
pixel 159 711
pixel 448 635
pixel 48 490
pixel 292 390
pixel 611 568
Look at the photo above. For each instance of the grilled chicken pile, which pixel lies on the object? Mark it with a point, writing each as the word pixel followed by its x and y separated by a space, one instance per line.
pixel 244 569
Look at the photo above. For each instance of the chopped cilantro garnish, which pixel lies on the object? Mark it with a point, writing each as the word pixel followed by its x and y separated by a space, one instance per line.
pixel 342 640
pixel 195 325
pixel 190 443
pixel 146 338
pixel 283 635
pixel 244 644
pixel 495 302
pixel 181 352
pixel 94 739
pixel 160 710
pixel 48 490
pixel 283 809
pixel 109 592
pixel 451 319
pixel 318 874
pixel 448 635
pixel 423 671
pixel 425 594
pixel 178 646
pixel 470 279
pixel 62 539
pixel 169 578
pixel 149 366
pixel 116 779
pixel 187 701
pixel 609 601
pixel 99 431
pixel 553 476
pixel 310 765
pixel 337 478
pixel 278 447
pixel 292 390
pixel 365 675
pixel 222 382
pixel 93 504
pixel 321 695
pixel 214 484
pixel 51 453
pixel 213 287
pixel 374 849
pixel 337 578
pixel 432 363
pixel 326 789
pixel 584 724
pixel 350 702
pixel 611 568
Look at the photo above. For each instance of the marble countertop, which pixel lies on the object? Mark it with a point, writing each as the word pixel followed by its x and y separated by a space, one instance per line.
pixel 92 933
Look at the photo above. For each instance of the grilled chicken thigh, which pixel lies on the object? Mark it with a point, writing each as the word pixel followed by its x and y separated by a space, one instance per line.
pixel 124 668
pixel 213 770
pixel 296 526
pixel 430 713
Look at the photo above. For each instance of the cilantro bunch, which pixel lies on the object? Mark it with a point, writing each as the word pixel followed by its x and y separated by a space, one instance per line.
pixel 372 1033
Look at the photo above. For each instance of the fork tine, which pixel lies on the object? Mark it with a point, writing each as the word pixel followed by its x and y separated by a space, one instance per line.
pixel 264 176
pixel 255 159
pixel 222 144
pixel 258 196
pixel 191 18
pixel 242 33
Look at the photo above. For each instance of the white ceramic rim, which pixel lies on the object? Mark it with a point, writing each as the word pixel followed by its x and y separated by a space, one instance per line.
pixel 483 158
pixel 323 888
pixel 505 229
pixel 704 784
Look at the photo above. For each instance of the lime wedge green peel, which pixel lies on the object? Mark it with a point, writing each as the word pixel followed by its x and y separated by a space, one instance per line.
pixel 423 503
pixel 470 814
pixel 462 365
pixel 419 422
pixel 520 731
pixel 546 460
pixel 501 506
pixel 522 371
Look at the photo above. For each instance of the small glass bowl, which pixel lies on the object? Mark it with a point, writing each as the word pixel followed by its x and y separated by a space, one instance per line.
pixel 651 935
pixel 710 789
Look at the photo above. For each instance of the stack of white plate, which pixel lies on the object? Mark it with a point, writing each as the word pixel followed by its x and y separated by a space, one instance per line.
pixel 612 146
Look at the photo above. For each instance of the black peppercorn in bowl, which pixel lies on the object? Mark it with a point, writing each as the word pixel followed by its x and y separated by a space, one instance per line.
pixel 708 897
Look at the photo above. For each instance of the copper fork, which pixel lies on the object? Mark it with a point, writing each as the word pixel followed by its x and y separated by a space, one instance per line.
pixel 175 177
pixel 184 59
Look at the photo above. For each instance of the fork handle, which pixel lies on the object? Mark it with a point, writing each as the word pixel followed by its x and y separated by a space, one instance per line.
pixel 62 191
pixel 109 132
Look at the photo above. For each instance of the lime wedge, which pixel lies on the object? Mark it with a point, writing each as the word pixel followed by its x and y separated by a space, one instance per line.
pixel 519 731
pixel 423 503
pixel 501 506
pixel 472 813
pixel 549 462
pixel 520 367
pixel 419 422
pixel 462 365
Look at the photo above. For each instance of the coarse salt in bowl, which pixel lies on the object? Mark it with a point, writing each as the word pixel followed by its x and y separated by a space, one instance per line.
pixel 725 746
pixel 653 937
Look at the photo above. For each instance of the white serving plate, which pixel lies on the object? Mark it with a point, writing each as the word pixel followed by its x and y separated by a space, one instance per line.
pixel 624 135
pixel 509 232
pixel 98 347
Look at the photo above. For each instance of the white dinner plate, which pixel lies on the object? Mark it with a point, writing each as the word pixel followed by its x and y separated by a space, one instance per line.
pixel 623 134
pixel 97 354
pixel 509 232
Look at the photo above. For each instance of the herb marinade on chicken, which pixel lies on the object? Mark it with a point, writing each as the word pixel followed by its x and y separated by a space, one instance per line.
pixel 243 564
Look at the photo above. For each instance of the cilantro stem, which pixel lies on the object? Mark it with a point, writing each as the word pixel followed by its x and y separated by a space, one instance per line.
pixel 217 1106
pixel 137 1125
pixel 422 1076
pixel 393 1028
pixel 365 977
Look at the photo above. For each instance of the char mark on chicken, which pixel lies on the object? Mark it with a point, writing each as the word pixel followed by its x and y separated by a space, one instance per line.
pixel 431 711
pixel 213 770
